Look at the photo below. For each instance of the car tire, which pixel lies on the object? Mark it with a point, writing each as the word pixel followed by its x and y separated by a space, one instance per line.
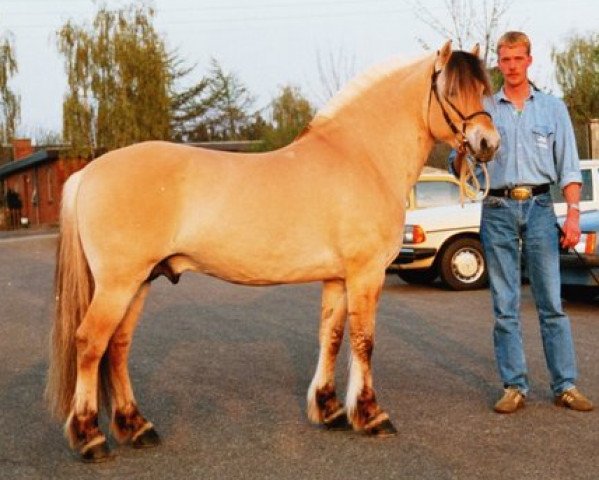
pixel 462 265
pixel 418 276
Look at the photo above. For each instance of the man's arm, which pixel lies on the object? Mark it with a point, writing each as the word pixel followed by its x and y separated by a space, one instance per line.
pixel 572 223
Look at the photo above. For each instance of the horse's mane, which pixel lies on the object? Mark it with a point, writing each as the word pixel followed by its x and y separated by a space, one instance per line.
pixel 358 85
pixel 464 72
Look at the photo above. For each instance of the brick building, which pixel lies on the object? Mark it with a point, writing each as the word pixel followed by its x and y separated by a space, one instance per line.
pixel 35 177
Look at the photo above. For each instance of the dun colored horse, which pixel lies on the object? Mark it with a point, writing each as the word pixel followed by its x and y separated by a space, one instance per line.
pixel 329 206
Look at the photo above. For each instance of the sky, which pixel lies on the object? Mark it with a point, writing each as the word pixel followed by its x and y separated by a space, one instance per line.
pixel 268 43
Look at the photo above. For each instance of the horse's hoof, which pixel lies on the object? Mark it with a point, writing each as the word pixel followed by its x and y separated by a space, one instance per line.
pixel 383 429
pixel 147 439
pixel 97 454
pixel 340 422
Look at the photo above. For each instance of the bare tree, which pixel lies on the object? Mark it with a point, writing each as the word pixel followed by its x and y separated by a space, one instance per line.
pixel 334 70
pixel 468 22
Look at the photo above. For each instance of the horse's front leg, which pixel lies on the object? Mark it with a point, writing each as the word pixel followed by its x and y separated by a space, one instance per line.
pixel 323 405
pixel 127 422
pixel 363 411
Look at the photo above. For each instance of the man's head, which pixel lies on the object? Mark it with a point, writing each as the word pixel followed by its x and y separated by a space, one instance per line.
pixel 513 57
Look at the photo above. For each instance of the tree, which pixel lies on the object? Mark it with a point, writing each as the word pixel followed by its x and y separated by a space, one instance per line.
pixel 333 72
pixel 291 112
pixel 230 102
pixel 577 73
pixel 119 78
pixel 11 103
pixel 469 22
pixel 188 111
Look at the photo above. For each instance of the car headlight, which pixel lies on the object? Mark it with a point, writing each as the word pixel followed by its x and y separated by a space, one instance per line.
pixel 413 234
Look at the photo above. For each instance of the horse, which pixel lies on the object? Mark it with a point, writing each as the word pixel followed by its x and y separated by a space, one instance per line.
pixel 328 207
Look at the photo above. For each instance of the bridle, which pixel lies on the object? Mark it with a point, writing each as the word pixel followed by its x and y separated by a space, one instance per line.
pixel 467 171
pixel 463 142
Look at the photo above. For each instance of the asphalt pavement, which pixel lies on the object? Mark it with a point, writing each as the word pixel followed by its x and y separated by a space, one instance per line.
pixel 222 371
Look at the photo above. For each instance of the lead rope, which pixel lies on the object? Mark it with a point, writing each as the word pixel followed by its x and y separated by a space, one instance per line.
pixel 468 177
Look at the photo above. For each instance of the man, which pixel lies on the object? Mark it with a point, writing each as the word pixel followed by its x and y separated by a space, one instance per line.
pixel 537 148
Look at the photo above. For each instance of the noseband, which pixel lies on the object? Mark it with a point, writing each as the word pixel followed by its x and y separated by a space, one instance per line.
pixel 463 142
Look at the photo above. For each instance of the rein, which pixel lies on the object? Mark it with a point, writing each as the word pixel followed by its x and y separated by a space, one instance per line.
pixel 466 174
pixel 464 149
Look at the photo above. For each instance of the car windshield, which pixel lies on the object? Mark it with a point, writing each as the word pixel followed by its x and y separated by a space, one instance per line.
pixel 436 194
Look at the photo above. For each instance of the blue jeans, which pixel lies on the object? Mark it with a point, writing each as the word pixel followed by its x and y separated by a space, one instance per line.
pixel 504 224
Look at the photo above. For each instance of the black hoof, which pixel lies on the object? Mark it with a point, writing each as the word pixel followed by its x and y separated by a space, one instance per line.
pixel 147 439
pixel 97 454
pixel 383 429
pixel 338 423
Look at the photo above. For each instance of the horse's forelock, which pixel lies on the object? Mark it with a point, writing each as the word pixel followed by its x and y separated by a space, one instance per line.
pixel 464 73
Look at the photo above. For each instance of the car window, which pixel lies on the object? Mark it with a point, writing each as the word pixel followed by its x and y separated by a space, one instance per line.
pixel 435 194
pixel 586 193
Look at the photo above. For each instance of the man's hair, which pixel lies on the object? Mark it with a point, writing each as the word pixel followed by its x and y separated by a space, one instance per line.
pixel 512 39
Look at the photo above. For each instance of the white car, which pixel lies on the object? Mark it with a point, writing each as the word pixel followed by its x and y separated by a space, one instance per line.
pixel 441 237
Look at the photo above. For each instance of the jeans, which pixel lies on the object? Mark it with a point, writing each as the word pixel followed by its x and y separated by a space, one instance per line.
pixel 505 224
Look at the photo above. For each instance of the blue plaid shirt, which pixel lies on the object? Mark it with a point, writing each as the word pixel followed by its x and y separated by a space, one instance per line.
pixel 537 144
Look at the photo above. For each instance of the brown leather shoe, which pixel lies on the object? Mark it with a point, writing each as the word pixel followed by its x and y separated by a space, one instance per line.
pixel 511 401
pixel 574 400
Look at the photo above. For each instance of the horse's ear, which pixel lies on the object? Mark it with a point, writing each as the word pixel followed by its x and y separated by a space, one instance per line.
pixel 476 50
pixel 443 55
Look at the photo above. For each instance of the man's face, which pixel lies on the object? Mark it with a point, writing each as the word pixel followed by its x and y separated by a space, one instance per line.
pixel 513 64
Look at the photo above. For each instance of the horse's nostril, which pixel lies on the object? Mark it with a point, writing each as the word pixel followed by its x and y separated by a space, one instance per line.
pixel 483 144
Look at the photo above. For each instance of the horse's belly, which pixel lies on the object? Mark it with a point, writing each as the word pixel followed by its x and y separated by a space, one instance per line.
pixel 259 268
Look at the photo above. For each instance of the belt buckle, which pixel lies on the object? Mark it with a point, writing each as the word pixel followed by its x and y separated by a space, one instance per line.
pixel 521 193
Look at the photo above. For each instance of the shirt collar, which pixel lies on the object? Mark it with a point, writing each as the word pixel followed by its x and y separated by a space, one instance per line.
pixel 500 95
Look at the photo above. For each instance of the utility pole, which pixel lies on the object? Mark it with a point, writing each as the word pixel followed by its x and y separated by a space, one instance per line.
pixel 594 138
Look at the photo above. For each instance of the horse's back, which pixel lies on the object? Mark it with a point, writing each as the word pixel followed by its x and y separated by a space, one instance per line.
pixel 257 218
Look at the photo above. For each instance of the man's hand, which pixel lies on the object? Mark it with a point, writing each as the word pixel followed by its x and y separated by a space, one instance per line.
pixel 571 229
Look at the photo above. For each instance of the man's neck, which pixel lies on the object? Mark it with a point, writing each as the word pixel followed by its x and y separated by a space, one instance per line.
pixel 517 94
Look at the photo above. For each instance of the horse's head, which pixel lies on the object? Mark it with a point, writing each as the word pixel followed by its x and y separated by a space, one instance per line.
pixel 457 115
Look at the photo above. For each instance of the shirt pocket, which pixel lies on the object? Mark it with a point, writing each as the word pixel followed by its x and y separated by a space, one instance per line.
pixel 542 138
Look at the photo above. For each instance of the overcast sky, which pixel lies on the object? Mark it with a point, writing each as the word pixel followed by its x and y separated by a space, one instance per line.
pixel 267 43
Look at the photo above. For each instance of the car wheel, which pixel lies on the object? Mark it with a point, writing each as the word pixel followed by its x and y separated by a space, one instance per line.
pixel 462 265
pixel 418 275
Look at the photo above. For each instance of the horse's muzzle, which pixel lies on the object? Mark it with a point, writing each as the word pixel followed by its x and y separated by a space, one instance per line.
pixel 486 149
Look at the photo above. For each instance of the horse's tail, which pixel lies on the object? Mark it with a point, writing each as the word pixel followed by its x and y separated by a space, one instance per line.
pixel 73 290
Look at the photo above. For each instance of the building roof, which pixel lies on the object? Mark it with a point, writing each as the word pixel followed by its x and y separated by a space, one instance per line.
pixel 38 158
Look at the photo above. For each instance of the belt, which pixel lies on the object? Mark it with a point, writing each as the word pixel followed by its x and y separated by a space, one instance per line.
pixel 520 192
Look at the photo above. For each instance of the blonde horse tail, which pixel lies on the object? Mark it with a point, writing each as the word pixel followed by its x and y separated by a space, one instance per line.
pixel 73 291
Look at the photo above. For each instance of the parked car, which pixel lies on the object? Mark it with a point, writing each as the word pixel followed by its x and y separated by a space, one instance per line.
pixel 441 237
pixel 580 268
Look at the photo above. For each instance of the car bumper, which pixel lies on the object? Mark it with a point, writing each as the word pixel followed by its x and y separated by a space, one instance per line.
pixel 409 255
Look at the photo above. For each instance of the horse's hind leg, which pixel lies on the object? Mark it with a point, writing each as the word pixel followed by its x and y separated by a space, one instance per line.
pixel 363 410
pixel 127 423
pixel 106 310
pixel 323 405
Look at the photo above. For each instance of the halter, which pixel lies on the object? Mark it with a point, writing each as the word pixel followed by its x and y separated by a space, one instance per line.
pixel 463 142
pixel 467 170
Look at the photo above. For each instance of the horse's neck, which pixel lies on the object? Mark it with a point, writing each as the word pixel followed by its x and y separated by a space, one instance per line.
pixel 388 125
